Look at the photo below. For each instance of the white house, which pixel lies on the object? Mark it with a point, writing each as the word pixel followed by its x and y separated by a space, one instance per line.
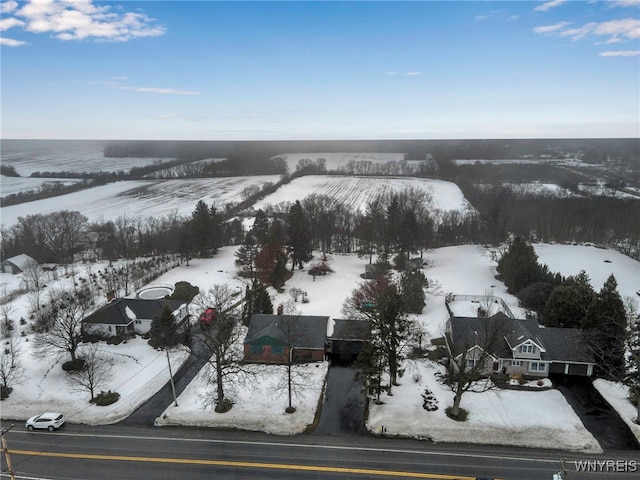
pixel 126 316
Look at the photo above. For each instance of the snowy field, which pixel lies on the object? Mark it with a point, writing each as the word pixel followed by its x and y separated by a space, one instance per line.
pixel 599 263
pixel 336 160
pixel 356 191
pixel 141 198
pixel 574 162
pixel 536 419
pixel 28 156
pixel 12 185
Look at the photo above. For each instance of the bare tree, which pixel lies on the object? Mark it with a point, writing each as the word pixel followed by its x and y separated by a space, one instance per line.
pixel 11 371
pixel 295 378
pixel 34 278
pixel 379 301
pixel 64 332
pixel 95 372
pixel 221 340
pixel 471 358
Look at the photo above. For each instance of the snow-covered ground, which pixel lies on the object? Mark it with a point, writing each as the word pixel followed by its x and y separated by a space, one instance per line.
pixel 599 263
pixel 141 198
pixel 540 419
pixel 13 185
pixel 532 418
pixel 356 191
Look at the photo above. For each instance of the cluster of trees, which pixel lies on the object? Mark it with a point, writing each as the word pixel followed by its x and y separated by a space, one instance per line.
pixel 571 302
pixel 58 236
pixel 385 303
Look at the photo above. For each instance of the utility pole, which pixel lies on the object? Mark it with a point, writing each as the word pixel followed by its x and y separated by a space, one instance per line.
pixel 173 386
pixel 5 449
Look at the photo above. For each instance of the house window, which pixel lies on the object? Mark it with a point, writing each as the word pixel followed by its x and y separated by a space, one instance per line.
pixel 277 349
pixel 528 348
pixel 537 367
pixel 470 363
pixel 109 327
pixel 256 349
pixel 516 363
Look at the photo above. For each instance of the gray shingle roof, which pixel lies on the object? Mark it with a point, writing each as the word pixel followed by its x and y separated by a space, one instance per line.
pixel 114 313
pixel 306 331
pixel 560 344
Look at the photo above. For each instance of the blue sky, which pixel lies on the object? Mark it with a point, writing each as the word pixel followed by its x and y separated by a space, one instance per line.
pixel 209 70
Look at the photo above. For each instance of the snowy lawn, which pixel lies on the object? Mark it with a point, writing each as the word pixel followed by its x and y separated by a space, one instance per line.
pixel 500 417
pixel 618 397
pixel 258 404
pixel 138 372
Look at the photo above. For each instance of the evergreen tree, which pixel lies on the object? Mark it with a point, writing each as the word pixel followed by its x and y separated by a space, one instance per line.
pixel 299 232
pixel 632 376
pixel 278 277
pixel 257 300
pixel 519 268
pixel 412 285
pixel 568 303
pixel 164 331
pixel 246 255
pixel 261 227
pixel 606 320
pixel 202 229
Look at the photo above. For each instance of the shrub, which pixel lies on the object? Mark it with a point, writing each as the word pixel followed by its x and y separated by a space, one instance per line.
pixel 462 414
pixel 74 366
pixel 224 406
pixel 106 398
pixel 184 291
pixel 429 402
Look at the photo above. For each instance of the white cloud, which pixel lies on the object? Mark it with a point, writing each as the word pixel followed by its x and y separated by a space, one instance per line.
pixel 8 7
pixel 391 73
pixel 549 5
pixel 621 53
pixel 617 30
pixel 413 74
pixel 7 23
pixel 9 42
pixel 81 19
pixel 626 3
pixel 551 28
pixel 160 91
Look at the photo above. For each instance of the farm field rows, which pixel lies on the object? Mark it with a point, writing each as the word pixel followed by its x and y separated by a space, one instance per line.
pixel 141 198
pixel 356 191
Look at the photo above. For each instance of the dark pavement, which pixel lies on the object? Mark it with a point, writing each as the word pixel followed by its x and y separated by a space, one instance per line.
pixel 343 408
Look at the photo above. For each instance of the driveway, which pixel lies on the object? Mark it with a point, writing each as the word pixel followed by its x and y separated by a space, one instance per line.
pixel 344 403
pixel 147 413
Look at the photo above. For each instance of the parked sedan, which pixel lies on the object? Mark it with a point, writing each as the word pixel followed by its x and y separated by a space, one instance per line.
pixel 48 420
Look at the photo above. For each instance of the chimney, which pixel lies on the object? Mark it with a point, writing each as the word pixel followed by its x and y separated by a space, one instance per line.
pixel 111 296
pixel 280 309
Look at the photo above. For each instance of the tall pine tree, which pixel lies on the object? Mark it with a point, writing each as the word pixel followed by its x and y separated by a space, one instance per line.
pixel 606 320
pixel 299 232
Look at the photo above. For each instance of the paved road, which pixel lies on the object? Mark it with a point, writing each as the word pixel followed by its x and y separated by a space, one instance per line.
pixel 129 452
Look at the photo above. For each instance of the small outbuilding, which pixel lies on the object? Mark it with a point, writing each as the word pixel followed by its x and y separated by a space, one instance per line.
pixel 17 264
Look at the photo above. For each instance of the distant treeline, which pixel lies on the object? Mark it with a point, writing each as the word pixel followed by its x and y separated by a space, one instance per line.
pixel 593 150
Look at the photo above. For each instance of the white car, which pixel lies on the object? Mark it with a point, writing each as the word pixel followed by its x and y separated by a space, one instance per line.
pixel 48 420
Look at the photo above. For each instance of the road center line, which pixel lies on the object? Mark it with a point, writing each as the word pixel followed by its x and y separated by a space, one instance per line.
pixel 224 463
pixel 312 446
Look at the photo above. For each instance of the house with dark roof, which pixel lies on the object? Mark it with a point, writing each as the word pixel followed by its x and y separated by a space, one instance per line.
pixel 522 347
pixel 17 264
pixel 126 316
pixel 280 338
